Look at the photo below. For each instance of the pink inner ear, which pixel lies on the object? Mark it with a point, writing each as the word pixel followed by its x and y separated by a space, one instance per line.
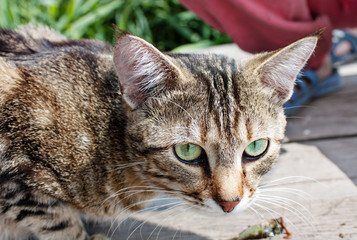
pixel 142 69
pixel 281 90
pixel 281 69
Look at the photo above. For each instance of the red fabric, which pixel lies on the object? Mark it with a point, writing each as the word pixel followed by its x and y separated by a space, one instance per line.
pixel 263 25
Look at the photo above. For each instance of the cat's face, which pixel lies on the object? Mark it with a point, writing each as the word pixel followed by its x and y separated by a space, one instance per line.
pixel 206 128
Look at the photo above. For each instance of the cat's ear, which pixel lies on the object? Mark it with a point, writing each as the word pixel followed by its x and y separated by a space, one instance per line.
pixel 142 69
pixel 280 69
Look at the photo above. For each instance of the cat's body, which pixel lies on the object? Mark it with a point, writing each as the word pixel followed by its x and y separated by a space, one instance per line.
pixel 76 139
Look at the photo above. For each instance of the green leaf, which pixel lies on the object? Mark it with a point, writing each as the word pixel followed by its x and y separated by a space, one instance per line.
pixel 78 28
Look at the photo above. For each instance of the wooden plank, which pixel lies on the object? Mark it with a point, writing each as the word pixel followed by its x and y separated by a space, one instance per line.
pixel 133 229
pixel 334 115
pixel 341 151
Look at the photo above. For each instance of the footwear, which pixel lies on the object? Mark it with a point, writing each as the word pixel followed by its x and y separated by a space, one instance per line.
pixel 309 86
pixel 340 36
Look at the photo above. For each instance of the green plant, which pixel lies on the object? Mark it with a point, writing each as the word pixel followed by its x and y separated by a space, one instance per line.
pixel 165 23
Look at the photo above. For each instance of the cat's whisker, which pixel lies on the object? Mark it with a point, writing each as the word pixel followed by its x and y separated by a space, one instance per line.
pixel 157 207
pixel 293 191
pixel 132 205
pixel 173 237
pixel 301 106
pixel 296 179
pixel 252 209
pixel 300 217
pixel 183 210
pixel 142 202
pixel 274 214
pixel 147 219
pixel 170 215
pixel 276 200
pixel 288 208
pixel 177 206
pixel 133 213
pixel 153 208
pixel 158 190
pixel 141 191
pixel 131 187
pixel 117 193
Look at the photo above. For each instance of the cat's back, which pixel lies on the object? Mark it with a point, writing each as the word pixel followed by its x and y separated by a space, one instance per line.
pixel 57 98
pixel 46 62
pixel 46 54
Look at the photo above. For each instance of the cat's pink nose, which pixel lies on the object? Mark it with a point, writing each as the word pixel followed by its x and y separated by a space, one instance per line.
pixel 228 206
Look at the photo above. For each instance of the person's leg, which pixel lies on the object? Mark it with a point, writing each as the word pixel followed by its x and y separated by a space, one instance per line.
pixel 342 13
pixel 257 25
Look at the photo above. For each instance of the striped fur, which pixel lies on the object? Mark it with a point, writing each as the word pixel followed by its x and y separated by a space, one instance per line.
pixel 77 139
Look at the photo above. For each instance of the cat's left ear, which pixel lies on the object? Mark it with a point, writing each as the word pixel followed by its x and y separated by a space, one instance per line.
pixel 280 69
pixel 142 69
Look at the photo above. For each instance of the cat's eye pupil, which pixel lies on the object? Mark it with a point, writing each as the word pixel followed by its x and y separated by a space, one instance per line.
pixel 256 149
pixel 188 152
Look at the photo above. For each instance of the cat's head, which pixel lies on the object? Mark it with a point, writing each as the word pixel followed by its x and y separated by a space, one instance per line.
pixel 206 128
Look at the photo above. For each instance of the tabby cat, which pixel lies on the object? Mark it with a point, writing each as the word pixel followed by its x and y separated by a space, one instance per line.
pixel 90 129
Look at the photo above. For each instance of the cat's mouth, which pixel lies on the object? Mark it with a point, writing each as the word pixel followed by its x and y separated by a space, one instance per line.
pixel 214 208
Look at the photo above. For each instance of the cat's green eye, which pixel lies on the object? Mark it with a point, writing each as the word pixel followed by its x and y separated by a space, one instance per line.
pixel 188 152
pixel 256 148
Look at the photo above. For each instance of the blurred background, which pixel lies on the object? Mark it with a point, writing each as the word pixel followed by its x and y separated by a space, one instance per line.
pixel 164 23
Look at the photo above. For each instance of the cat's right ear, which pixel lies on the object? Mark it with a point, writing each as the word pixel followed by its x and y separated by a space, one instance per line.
pixel 280 69
pixel 142 69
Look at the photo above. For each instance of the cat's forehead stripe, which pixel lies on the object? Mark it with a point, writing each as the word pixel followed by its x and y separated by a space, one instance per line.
pixel 221 78
pixel 218 73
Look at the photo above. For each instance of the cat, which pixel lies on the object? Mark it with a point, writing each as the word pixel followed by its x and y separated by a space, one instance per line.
pixel 87 128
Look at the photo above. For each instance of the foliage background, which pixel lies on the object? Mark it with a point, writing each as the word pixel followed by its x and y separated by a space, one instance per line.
pixel 165 23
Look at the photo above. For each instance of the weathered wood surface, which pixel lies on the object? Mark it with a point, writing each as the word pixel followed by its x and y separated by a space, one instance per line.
pixel 341 151
pixel 331 116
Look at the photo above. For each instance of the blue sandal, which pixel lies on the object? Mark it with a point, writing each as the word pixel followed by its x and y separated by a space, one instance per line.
pixel 309 86
pixel 343 36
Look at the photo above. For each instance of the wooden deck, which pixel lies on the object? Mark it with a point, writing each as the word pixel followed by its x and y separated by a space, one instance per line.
pixel 318 161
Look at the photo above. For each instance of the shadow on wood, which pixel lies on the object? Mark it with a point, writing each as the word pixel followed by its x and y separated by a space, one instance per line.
pixel 132 229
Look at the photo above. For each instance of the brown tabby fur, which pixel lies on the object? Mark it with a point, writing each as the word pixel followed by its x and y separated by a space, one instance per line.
pixel 75 138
